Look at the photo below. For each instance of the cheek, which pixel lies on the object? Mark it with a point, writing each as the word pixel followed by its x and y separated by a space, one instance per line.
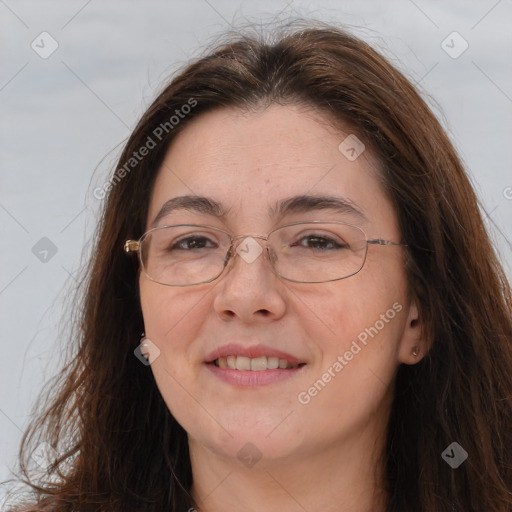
pixel 349 309
pixel 171 321
pixel 352 381
pixel 362 319
pixel 167 312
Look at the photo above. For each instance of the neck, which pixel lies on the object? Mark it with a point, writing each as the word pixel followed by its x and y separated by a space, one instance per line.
pixel 336 478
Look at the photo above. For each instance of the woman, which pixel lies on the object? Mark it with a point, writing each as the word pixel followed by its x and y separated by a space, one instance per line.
pixel 325 325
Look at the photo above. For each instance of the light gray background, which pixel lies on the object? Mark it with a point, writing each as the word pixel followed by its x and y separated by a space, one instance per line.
pixel 60 116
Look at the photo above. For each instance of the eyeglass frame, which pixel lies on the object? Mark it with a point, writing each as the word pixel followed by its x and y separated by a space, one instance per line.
pixel 130 246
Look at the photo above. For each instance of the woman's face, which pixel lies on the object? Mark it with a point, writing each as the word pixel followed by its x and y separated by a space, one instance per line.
pixel 349 335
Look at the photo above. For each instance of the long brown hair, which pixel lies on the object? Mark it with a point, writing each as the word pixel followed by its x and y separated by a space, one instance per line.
pixel 119 447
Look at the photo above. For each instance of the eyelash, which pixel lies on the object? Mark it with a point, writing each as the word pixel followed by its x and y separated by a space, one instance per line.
pixel 322 239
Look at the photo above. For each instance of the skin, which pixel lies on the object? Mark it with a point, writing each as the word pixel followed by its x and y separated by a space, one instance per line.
pixel 323 455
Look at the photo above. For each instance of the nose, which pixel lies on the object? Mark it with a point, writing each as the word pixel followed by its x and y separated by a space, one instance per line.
pixel 249 289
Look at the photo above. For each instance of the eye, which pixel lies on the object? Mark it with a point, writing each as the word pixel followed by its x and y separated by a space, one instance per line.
pixel 191 243
pixel 320 242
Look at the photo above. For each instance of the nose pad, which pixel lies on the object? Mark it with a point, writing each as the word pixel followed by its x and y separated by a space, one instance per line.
pixel 272 256
pixel 228 257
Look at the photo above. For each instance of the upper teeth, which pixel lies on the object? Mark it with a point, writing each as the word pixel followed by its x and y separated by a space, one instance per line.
pixel 254 363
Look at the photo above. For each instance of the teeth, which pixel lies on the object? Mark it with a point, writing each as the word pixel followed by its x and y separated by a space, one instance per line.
pixel 259 363
pixel 272 363
pixel 255 364
pixel 243 363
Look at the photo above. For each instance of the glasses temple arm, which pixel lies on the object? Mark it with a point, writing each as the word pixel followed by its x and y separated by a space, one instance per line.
pixel 378 241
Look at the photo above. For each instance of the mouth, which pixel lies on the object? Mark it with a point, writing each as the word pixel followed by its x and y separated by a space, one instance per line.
pixel 250 366
pixel 255 364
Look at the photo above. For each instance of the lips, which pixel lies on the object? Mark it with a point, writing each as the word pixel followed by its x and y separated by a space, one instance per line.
pixel 252 358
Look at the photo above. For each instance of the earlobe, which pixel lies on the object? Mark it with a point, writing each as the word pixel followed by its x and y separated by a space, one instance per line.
pixel 413 346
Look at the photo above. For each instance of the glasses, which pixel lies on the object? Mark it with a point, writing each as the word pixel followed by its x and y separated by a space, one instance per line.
pixel 302 252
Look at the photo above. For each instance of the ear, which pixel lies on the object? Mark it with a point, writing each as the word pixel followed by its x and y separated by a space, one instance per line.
pixel 413 346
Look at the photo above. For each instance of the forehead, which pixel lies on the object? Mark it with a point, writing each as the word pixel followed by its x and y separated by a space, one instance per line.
pixel 248 162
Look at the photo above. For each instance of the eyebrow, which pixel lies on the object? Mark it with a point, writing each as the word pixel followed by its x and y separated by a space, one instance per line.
pixel 292 205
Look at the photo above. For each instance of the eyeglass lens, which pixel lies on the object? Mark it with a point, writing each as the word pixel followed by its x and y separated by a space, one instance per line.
pixel 303 252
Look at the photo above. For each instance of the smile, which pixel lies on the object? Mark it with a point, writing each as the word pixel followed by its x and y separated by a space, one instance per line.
pixel 249 366
pixel 255 364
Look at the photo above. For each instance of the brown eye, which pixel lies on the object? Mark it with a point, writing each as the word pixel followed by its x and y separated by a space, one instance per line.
pixel 192 242
pixel 321 243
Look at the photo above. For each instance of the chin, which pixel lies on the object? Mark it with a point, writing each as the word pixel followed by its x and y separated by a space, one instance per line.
pixel 249 438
